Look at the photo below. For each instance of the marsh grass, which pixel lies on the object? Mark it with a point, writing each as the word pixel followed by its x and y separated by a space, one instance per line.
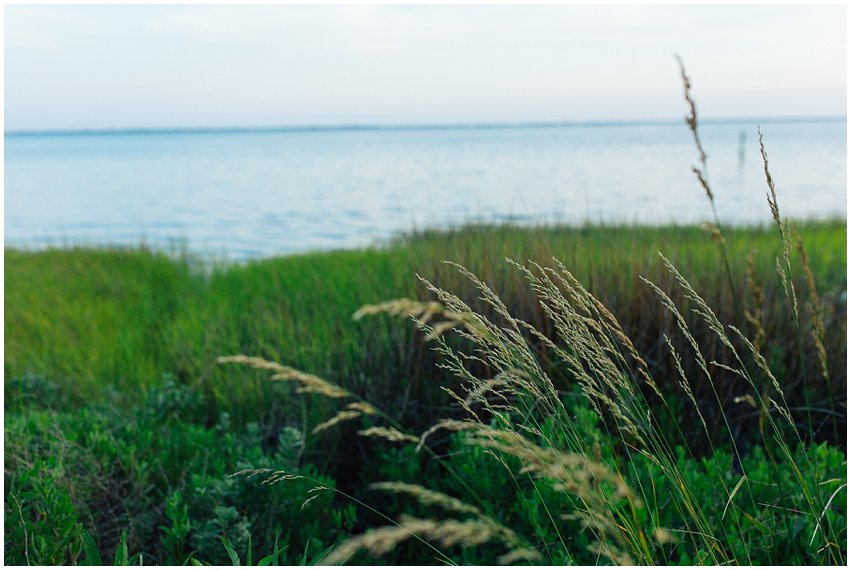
pixel 87 320
pixel 517 414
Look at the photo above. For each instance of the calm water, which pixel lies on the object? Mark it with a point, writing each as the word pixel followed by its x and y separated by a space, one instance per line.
pixel 251 194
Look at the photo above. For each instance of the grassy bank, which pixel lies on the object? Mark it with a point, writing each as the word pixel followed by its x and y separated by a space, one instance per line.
pixel 112 387
pixel 96 320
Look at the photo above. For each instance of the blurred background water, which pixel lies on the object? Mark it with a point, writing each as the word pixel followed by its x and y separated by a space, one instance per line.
pixel 246 194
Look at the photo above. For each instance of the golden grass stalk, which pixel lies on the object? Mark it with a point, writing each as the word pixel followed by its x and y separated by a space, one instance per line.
pixel 684 383
pixel 691 121
pixel 269 476
pixel 449 425
pixel 252 361
pixel 309 384
pixel 314 493
pixel 388 433
pixel 422 311
pixel 814 305
pixel 760 360
pixel 427 497
pixel 567 472
pixel 668 303
pixel 783 229
pixel 702 174
pixel 754 317
pixel 401 307
pixel 342 416
pixel 701 307
pixel 518 554
pixel 714 232
pixel 771 195
pixel 363 407
pixel 447 533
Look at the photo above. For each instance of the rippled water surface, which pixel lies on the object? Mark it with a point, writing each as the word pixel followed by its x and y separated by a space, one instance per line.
pixel 251 194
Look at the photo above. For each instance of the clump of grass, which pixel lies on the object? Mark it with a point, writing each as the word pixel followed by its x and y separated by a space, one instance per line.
pixel 518 416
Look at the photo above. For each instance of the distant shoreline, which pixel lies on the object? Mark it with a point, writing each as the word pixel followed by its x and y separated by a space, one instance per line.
pixel 408 127
pixel 181 246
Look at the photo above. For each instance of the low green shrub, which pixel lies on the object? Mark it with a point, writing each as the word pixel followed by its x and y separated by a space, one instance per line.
pixel 81 477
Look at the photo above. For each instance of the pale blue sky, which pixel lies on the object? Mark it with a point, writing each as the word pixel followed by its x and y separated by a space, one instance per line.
pixel 70 67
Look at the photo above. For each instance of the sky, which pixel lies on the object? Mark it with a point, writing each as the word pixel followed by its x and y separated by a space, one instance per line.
pixel 166 66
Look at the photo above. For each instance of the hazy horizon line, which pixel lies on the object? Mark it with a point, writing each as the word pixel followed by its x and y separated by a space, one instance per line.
pixel 415 126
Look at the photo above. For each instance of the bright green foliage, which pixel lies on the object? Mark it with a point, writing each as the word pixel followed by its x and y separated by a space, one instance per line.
pixel 175 534
pixel 41 521
pixel 160 476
